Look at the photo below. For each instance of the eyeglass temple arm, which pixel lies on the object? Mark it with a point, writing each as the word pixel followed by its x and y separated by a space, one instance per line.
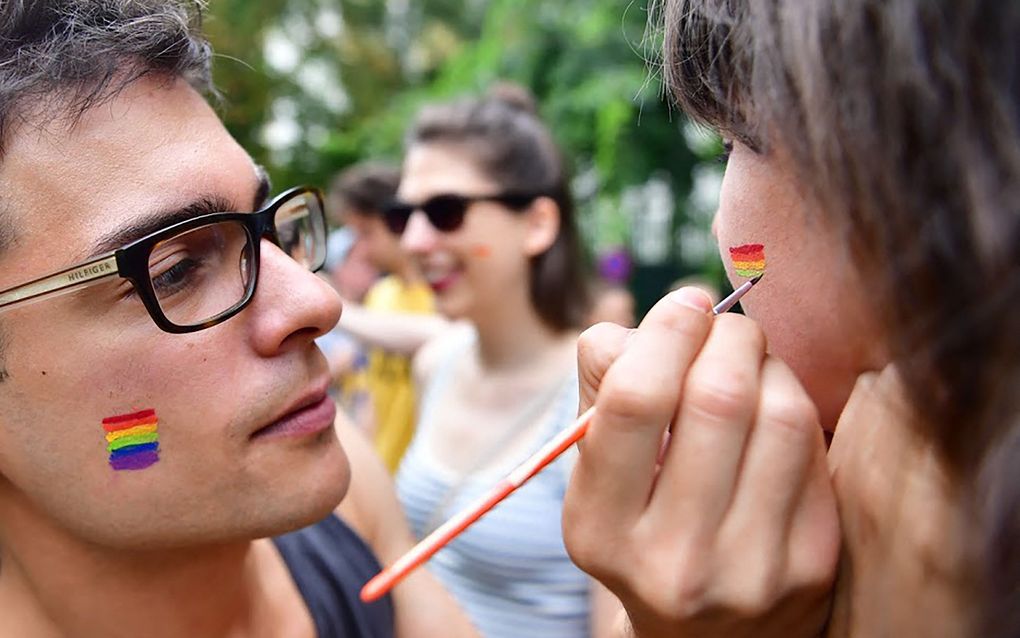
pixel 59 283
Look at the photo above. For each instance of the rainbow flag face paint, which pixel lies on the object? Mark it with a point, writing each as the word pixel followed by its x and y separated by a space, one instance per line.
pixel 748 260
pixel 132 440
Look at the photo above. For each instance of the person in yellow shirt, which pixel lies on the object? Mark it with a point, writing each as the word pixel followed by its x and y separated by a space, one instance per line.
pixel 357 198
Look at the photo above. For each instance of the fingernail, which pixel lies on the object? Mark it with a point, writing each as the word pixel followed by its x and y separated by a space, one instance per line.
pixel 692 298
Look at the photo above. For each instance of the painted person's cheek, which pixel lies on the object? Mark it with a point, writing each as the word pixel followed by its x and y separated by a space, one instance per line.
pixel 132 440
pixel 748 260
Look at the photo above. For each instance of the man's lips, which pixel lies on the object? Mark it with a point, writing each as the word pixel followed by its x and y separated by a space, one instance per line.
pixel 312 414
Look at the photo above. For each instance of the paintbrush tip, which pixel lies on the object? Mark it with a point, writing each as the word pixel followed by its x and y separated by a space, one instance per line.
pixel 757 279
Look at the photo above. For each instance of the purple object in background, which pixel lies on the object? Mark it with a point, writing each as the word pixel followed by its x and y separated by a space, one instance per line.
pixel 615 265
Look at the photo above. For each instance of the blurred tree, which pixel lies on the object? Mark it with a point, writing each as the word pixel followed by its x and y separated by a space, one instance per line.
pixel 311 86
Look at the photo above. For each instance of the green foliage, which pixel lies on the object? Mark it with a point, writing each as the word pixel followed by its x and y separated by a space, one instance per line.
pixel 581 58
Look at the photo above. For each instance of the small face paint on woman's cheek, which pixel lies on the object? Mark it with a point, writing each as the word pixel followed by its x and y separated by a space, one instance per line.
pixel 132 440
pixel 748 260
pixel 482 251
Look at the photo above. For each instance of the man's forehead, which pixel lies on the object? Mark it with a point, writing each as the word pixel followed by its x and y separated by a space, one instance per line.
pixel 151 148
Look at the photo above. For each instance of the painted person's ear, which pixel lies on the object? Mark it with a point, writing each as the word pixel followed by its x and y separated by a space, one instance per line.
pixel 543 218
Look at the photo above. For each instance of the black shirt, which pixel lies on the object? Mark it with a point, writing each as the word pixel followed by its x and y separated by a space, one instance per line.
pixel 330 563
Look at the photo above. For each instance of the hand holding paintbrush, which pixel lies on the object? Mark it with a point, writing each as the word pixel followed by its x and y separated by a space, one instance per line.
pixel 733 529
pixel 421 552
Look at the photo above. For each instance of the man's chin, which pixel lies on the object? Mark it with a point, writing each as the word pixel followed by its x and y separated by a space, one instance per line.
pixel 312 494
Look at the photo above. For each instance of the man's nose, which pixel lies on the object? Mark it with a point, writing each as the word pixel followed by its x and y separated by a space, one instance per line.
pixel 292 305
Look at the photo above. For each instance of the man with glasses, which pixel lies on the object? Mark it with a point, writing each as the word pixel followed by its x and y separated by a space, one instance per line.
pixel 165 425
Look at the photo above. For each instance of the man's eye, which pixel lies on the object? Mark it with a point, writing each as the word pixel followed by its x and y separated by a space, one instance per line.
pixel 176 278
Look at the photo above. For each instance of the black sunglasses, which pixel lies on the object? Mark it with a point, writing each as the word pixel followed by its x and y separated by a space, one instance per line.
pixel 446 212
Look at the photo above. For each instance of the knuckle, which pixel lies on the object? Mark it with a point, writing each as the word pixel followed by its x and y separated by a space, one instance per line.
pixel 756 588
pixel 725 394
pixel 690 326
pixel 586 547
pixel 593 339
pixel 810 574
pixel 677 582
pixel 581 547
pixel 758 597
pixel 631 399
pixel 586 537
pixel 691 594
pixel 791 415
pixel 734 326
pixel 678 321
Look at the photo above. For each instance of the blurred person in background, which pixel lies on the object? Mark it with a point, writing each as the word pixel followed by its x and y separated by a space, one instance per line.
pixel 351 274
pixel 613 303
pixel 357 197
pixel 348 266
pixel 484 209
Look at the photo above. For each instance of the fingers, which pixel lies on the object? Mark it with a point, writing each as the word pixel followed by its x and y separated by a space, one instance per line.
pixel 597 348
pixel 740 518
pixel 784 476
pixel 637 396
pixel 784 445
pixel 720 398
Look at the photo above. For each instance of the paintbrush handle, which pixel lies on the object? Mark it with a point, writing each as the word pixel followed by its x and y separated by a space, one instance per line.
pixel 389 577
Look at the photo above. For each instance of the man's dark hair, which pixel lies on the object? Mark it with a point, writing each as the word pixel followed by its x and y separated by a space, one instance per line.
pixel 365 188
pixel 60 58
pixel 64 57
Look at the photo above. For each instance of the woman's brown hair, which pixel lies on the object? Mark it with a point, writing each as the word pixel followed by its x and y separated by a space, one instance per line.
pixel 502 133
pixel 902 118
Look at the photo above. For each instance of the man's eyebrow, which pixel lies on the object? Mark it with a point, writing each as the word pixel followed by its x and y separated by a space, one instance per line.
pixel 139 228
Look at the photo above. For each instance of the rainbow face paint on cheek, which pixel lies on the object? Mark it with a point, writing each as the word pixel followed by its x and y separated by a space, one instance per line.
pixel 748 260
pixel 132 440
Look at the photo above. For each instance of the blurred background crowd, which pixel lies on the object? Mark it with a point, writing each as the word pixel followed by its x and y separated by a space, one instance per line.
pixel 313 86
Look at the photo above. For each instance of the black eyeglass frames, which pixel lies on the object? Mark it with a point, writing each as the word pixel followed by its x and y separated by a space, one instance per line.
pixel 202 271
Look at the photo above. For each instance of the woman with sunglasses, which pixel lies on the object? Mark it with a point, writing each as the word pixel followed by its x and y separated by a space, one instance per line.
pixel 484 209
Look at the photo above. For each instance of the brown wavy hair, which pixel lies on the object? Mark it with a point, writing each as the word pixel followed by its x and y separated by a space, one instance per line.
pixel 902 117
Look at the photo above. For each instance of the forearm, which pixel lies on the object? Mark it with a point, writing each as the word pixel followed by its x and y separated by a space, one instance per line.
pixel 397 332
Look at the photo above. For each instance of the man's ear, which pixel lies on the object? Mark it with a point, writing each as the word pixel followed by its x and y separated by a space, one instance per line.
pixel 543 219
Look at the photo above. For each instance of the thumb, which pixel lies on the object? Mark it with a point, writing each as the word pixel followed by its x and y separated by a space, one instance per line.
pixel 597 348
